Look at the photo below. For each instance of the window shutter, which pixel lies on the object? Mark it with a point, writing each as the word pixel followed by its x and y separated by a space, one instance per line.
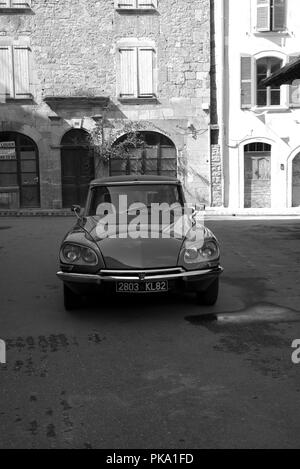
pixel 279 15
pixel 294 88
pixel 18 4
pixel 21 72
pixel 145 71
pixel 4 3
pixel 247 81
pixel 263 15
pixel 126 3
pixel 128 72
pixel 6 72
pixel 147 3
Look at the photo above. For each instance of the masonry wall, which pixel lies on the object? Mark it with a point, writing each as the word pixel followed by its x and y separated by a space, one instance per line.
pixel 74 53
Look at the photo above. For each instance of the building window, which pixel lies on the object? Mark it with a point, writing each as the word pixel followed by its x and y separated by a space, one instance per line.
pixel 19 169
pixel 136 4
pixel 257 174
pixel 253 71
pixel 271 15
pixel 14 72
pixel 157 156
pixel 15 4
pixel 136 72
pixel 267 95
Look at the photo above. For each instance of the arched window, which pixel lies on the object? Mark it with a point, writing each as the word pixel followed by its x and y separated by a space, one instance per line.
pixel 270 95
pixel 257 170
pixel 19 171
pixel 77 167
pixel 157 156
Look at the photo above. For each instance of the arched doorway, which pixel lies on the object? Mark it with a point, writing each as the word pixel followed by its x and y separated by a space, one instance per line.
pixel 296 182
pixel 77 167
pixel 19 170
pixel 257 173
pixel 157 156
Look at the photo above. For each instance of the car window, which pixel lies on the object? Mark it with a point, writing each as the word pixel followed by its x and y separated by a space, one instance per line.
pixel 146 194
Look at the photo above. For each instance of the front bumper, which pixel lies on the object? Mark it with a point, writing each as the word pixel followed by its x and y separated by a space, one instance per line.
pixel 177 277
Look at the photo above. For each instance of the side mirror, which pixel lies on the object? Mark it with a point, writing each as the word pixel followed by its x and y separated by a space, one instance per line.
pixel 76 209
pixel 198 208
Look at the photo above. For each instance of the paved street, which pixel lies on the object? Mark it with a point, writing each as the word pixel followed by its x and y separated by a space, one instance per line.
pixel 155 372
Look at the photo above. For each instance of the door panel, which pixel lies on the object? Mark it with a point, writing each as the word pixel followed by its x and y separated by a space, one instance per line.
pixel 296 181
pixel 257 180
pixel 77 172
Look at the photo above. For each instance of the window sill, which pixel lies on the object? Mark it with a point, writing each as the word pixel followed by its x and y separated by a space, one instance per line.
pixel 270 109
pixel 16 10
pixel 283 33
pixel 136 10
pixel 28 100
pixel 138 101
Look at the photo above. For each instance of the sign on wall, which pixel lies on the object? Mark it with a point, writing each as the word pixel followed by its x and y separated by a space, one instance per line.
pixel 7 151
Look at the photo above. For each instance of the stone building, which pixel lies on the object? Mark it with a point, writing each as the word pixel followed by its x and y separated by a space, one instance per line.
pixel 68 65
pixel 259 137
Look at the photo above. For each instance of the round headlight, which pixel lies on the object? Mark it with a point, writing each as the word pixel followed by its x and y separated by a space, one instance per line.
pixel 209 250
pixel 89 256
pixel 191 254
pixel 71 252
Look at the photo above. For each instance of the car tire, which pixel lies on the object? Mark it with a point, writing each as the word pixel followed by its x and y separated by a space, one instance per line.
pixel 71 300
pixel 209 297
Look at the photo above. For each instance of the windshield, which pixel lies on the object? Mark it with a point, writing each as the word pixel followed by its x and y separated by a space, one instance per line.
pixel 123 196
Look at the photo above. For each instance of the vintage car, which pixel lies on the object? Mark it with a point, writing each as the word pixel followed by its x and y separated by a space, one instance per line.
pixel 136 235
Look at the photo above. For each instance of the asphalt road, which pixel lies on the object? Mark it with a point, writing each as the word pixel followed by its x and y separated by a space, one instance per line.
pixel 151 372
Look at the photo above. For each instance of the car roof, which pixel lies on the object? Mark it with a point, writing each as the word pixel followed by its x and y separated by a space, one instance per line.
pixel 133 179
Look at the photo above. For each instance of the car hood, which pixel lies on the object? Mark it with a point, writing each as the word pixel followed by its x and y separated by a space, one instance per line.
pixel 151 250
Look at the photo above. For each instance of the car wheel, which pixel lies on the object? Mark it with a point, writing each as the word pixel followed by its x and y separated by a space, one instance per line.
pixel 71 300
pixel 209 297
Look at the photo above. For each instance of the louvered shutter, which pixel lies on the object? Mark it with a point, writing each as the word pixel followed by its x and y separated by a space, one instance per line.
pixel 279 15
pixel 127 3
pixel 21 72
pixel 145 71
pixel 19 4
pixel 263 22
pixel 147 3
pixel 6 72
pixel 294 88
pixel 247 81
pixel 128 72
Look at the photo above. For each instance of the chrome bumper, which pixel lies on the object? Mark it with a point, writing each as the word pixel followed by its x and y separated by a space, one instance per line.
pixel 138 276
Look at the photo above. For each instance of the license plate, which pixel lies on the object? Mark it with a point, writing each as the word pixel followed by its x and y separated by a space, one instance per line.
pixel 142 287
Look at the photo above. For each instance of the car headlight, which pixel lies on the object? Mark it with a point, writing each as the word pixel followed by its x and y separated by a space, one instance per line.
pixel 75 254
pixel 207 252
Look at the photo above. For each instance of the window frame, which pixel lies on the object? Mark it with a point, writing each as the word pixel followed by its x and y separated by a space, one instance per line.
pixel 136 6
pixel 285 102
pixel 14 95
pixel 271 28
pixel 11 7
pixel 137 97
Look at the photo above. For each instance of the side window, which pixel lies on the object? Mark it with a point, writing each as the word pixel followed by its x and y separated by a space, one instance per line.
pixel 271 15
pixel 253 71
pixel 136 4
pixel 136 72
pixel 14 72
pixel 15 4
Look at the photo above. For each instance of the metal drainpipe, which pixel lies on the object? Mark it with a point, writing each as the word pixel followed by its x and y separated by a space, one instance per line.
pixel 222 95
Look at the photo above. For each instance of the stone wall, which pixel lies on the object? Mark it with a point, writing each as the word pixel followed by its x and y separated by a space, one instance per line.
pixel 74 53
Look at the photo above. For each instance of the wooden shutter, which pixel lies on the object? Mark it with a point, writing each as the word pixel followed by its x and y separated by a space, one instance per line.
pixel 6 72
pixel 19 4
pixel 294 88
pixel 147 4
pixel 128 72
pixel 127 3
pixel 21 72
pixel 263 22
pixel 247 81
pixel 279 15
pixel 145 71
